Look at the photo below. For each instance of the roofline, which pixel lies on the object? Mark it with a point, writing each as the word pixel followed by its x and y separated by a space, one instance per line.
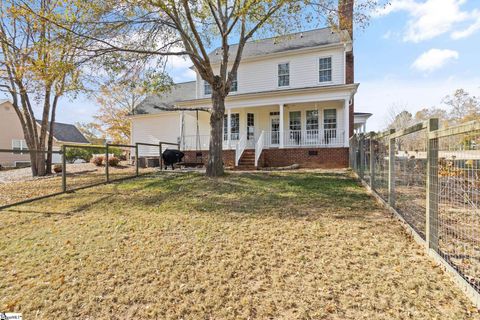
pixel 353 87
pixel 293 51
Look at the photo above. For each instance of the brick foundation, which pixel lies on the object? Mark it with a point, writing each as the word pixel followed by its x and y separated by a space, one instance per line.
pixel 228 157
pixel 305 157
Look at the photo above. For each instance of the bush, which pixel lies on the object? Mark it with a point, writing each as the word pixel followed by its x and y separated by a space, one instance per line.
pixel 57 168
pixel 113 161
pixel 73 154
pixel 98 161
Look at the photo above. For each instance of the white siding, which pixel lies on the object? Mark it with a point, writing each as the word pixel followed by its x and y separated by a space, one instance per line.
pixel 164 127
pixel 261 75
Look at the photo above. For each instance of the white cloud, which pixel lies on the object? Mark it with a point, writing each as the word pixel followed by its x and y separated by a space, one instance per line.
pixel 465 33
pixel 431 18
pixel 434 59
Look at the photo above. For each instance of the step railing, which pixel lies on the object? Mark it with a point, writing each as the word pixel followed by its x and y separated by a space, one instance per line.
pixel 259 147
pixel 240 147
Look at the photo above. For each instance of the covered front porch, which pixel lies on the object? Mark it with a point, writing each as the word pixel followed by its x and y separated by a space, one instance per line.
pixel 297 125
pixel 317 118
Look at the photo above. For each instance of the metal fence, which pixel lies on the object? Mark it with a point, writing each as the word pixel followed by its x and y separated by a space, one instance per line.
pixel 74 167
pixel 430 178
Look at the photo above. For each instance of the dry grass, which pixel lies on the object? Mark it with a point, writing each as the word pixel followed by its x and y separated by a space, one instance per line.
pixel 27 188
pixel 306 245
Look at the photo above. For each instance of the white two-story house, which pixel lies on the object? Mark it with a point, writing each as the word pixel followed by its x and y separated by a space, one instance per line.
pixel 292 102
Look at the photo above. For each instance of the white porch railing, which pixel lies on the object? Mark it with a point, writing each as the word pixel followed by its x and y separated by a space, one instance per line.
pixel 259 147
pixel 240 147
pixel 327 138
pixel 314 138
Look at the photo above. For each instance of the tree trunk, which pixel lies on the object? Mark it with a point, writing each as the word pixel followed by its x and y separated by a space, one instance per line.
pixel 48 168
pixel 215 153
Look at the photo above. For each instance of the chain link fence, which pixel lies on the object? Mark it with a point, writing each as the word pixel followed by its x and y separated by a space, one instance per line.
pixel 430 178
pixel 74 167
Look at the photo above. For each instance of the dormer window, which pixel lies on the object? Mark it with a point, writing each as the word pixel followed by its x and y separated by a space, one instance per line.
pixel 325 69
pixel 234 87
pixel 207 88
pixel 284 74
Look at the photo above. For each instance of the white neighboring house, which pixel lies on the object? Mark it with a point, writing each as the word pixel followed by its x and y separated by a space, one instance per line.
pixel 360 121
pixel 11 137
pixel 292 102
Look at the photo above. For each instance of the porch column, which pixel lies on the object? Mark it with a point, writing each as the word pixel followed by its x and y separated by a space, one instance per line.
pixel 229 127
pixel 281 126
pixel 346 120
pixel 182 132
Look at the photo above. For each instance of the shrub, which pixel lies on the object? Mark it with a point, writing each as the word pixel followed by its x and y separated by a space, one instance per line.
pixel 57 168
pixel 113 161
pixel 98 160
pixel 73 154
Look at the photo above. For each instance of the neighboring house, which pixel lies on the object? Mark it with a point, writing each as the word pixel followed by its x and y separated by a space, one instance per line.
pixel 360 121
pixel 11 137
pixel 292 102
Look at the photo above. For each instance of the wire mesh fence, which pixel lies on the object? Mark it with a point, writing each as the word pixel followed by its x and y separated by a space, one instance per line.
pixel 431 178
pixel 73 167
pixel 458 193
pixel 410 178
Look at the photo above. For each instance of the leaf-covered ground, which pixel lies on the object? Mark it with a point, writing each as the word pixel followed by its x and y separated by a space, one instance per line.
pixel 296 245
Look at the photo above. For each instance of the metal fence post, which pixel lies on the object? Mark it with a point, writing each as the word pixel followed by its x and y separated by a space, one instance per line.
pixel 372 161
pixel 107 173
pixel 431 234
pixel 64 169
pixel 391 170
pixel 161 159
pixel 136 159
pixel 362 156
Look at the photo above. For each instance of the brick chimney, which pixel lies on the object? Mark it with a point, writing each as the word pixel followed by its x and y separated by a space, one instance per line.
pixel 345 19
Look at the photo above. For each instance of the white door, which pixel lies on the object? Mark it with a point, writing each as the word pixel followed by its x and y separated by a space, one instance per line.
pixel 275 129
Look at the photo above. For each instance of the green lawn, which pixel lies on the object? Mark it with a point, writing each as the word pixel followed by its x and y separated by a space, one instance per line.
pixel 299 245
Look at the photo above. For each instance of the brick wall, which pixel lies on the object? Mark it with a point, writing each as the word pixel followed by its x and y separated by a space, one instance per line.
pixel 324 158
pixel 228 157
pixel 305 157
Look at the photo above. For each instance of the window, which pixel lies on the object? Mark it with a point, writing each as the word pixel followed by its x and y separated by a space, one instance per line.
pixel 235 120
pixel 283 74
pixel 225 127
pixel 235 126
pixel 330 119
pixel 18 144
pixel 325 69
pixel 250 126
pixel 312 120
pixel 295 120
pixel 234 87
pixel 207 89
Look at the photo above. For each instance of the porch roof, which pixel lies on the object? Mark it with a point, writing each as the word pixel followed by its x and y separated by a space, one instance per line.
pixel 272 97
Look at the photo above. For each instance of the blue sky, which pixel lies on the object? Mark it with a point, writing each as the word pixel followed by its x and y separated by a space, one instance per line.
pixel 413 53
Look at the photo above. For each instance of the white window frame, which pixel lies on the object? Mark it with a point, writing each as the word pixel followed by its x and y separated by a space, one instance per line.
pixel 278 75
pixel 306 119
pixel 205 84
pixel 331 69
pixel 234 81
pixel 23 144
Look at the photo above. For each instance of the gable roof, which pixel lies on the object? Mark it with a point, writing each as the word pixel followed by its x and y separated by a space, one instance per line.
pixel 187 90
pixel 67 133
pixel 178 92
pixel 294 41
